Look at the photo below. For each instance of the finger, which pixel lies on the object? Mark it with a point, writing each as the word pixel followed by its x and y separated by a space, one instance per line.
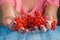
pixel 31 30
pixel 26 30
pixel 9 22
pixel 43 29
pixel 13 23
pixel 13 26
pixel 48 24
pixel 23 30
pixel 20 30
pixel 36 29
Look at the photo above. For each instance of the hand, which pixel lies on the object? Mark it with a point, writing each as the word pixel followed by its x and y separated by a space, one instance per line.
pixel 8 21
pixel 51 23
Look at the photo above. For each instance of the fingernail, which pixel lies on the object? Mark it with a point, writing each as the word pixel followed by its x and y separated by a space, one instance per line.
pixel 36 29
pixel 43 29
pixel 13 25
pixel 21 30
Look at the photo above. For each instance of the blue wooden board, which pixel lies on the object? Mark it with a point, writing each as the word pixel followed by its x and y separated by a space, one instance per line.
pixel 7 34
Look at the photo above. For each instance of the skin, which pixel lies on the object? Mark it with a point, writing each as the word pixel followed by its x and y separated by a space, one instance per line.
pixel 8 12
pixel 27 5
pixel 52 10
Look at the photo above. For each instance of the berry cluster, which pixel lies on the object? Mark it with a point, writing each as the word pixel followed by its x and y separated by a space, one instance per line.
pixel 20 23
pixel 28 21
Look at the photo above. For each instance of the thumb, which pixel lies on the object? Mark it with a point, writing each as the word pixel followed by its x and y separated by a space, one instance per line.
pixel 9 22
pixel 43 29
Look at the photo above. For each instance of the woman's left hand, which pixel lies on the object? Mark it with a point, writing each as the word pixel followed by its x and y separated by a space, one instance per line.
pixel 50 25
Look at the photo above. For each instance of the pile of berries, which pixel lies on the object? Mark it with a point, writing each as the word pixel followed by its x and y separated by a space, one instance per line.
pixel 28 21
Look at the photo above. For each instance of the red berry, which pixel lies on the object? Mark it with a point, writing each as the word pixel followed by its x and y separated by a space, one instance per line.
pixel 54 25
